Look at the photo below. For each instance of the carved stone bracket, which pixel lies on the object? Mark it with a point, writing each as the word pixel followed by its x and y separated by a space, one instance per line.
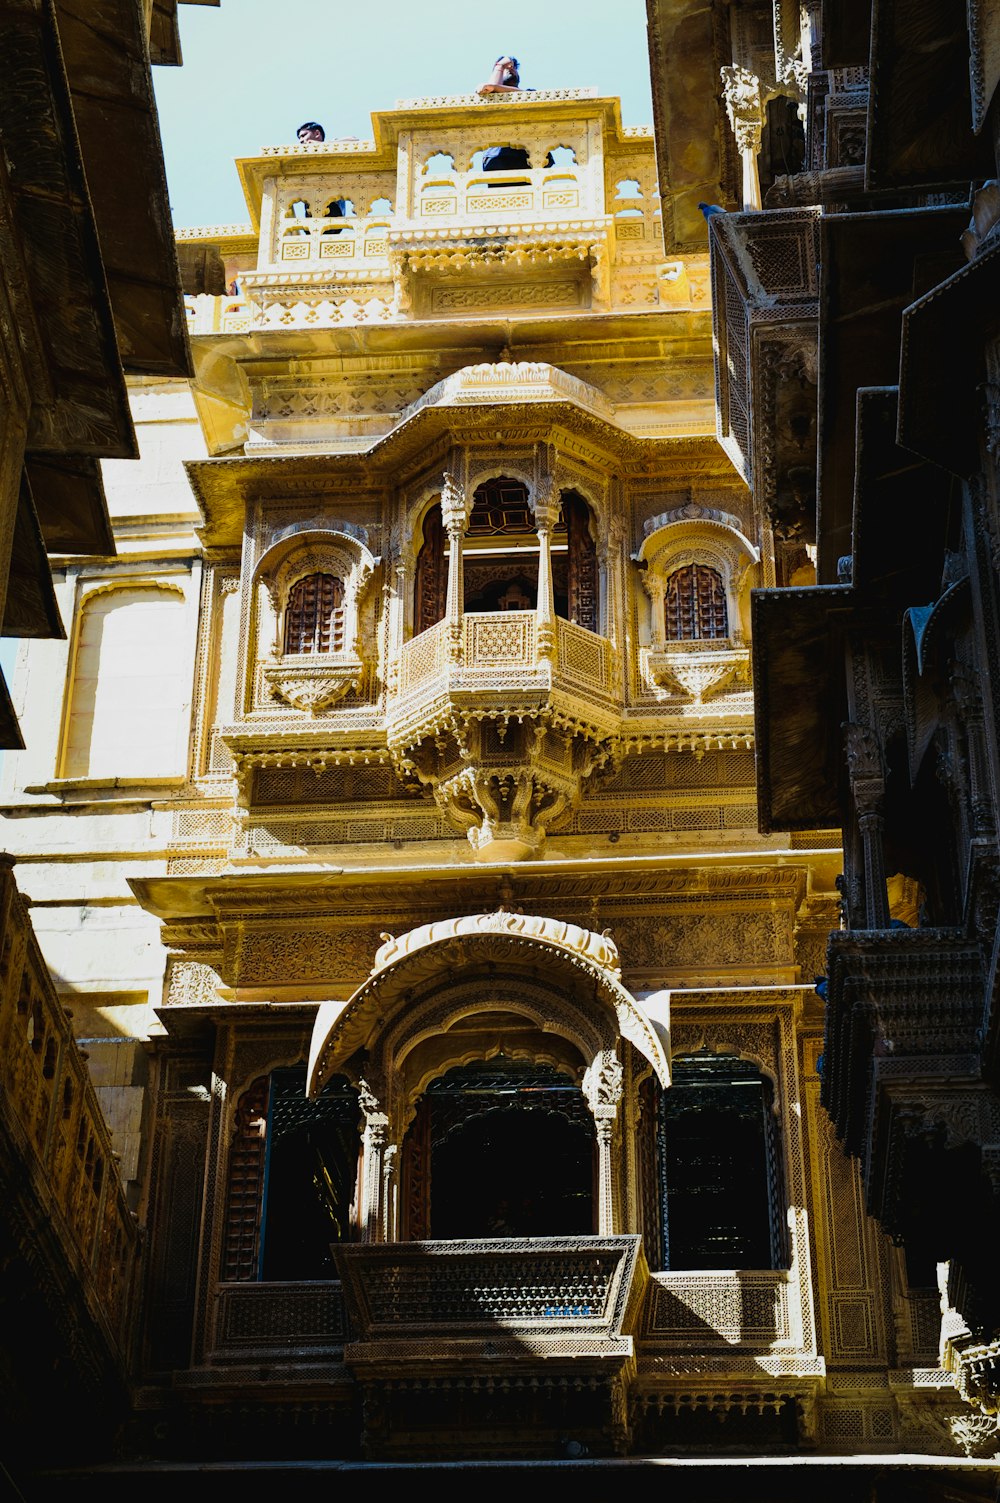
pixel 315 683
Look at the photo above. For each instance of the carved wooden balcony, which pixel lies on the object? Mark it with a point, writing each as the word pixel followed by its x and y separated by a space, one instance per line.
pixel 505 720
pixel 765 313
pixel 901 1059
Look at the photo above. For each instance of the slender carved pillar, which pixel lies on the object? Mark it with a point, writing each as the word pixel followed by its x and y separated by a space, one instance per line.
pixel 546 515
pixel 374 1171
pixel 390 1194
pixel 603 1088
pixel 655 589
pixel 743 106
pixel 864 761
pixel 455 516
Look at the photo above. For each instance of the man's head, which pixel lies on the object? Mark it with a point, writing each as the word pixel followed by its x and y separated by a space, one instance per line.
pixel 311 131
pixel 510 66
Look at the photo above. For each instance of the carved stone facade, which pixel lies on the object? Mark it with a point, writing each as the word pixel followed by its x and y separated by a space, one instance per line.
pixel 472 1024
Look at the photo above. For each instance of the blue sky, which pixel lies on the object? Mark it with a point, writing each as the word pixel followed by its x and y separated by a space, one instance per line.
pixel 253 70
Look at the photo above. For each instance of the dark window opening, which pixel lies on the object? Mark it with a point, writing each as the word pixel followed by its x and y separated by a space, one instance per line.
pixel 314 615
pixel 338 208
pixel 695 604
pixel 720 1166
pixel 506 159
pixel 501 1149
pixel 783 142
pixel 431 586
pixel 292 1179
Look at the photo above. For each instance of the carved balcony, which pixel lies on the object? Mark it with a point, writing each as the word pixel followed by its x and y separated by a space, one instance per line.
pixel 66 1223
pixel 901 1059
pixel 504 720
pixel 499 1333
pixel 765 317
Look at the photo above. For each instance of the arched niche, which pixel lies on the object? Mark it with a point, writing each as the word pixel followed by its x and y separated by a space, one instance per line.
pixel 460 989
pixel 709 544
pixel 130 682
pixel 319 577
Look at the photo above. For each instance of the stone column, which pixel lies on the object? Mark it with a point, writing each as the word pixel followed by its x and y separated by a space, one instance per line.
pixel 455 516
pixel 546 516
pixel 741 90
pixel 864 762
pixel 603 1088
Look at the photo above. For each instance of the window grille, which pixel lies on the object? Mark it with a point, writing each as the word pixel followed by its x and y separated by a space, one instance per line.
pixel 314 616
pixel 695 604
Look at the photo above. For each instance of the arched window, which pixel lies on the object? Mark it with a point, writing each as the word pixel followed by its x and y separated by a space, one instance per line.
pixel 292 1179
pixel 432 577
pixel 314 615
pixel 720 1166
pixel 695 604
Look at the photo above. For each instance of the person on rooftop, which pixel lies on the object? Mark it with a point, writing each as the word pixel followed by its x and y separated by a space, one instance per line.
pixel 311 130
pixel 504 79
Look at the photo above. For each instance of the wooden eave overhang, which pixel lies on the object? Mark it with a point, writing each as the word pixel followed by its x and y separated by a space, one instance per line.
pixel 902 507
pixel 164 31
pixel 379 154
pixel 107 61
pixel 798 681
pixel 920 115
pixel 946 331
pixel 846 32
pixel 30 608
pixel 57 287
pixel 873 265
pixel 695 151
pixel 224 487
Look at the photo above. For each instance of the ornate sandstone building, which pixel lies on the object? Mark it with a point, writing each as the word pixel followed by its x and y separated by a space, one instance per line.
pixel 459 1074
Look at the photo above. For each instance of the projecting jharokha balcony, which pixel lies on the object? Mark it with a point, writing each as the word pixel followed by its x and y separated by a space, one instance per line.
pixel 504 714
pixel 486 1323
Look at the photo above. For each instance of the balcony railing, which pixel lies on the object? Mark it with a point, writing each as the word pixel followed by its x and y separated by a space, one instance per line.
pixel 496 644
pixel 50 1115
pixel 546 1294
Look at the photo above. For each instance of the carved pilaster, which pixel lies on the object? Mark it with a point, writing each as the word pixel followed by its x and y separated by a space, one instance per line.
pixel 603 1088
pixel 741 90
pixel 867 775
pixel 455 510
pixel 546 516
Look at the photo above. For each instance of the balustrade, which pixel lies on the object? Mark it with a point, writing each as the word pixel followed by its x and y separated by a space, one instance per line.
pixel 497 641
pixel 50 1111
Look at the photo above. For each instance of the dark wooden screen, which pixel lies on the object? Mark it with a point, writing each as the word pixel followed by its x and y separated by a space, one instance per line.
pixel 695 604
pixel 246 1184
pixel 582 565
pixel 432 576
pixel 314 616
